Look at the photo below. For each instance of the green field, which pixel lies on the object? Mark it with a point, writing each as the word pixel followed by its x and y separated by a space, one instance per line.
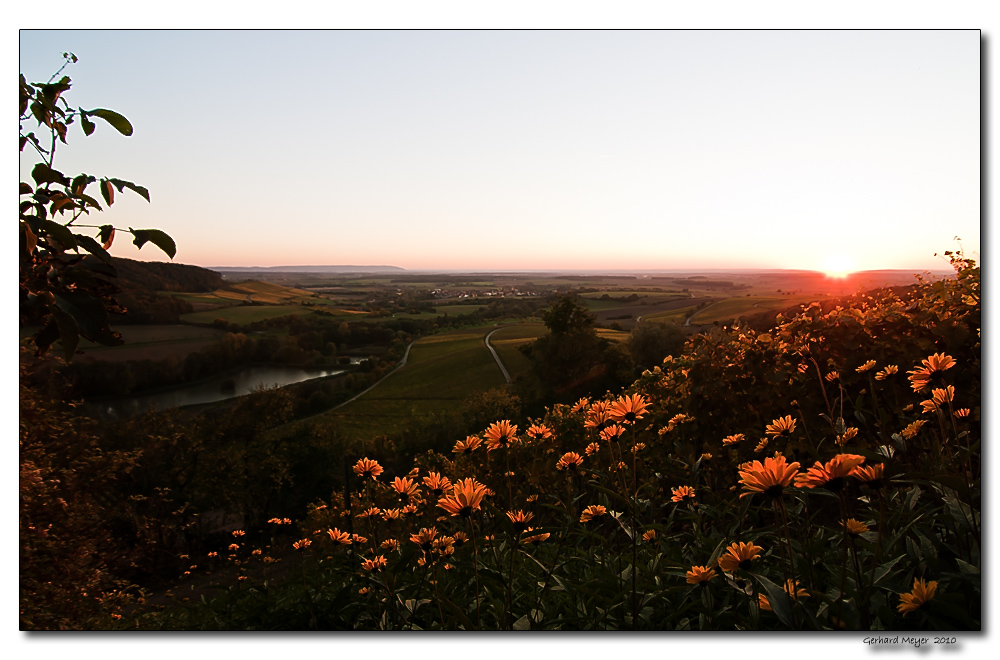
pixel 508 342
pixel 730 308
pixel 244 313
pixel 441 372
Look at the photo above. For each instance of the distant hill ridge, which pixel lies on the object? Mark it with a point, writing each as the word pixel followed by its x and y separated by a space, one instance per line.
pixel 308 269
pixel 163 276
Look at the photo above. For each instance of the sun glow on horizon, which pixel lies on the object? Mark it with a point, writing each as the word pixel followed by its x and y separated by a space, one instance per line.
pixel 838 265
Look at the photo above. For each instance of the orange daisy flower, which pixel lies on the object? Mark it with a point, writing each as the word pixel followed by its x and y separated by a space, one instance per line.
pixel 500 435
pixel 404 487
pixel 466 496
pixel 628 408
pixel 357 538
pixel 376 564
pixel 769 477
pixel 579 405
pixel 700 575
pixel 649 535
pixel 733 439
pixel 460 538
pixel 391 514
pixel 519 519
pixel 888 371
pixel 855 527
pixel 867 366
pixel 535 539
pixel 591 512
pixel 738 555
pixel 390 544
pixel 781 426
pixel 468 445
pixel 612 433
pixel 921 594
pixel 372 512
pixel 339 537
pixel 569 461
pixel 934 367
pixel 367 468
pixel 539 432
pixel 830 476
pixel 912 429
pixel 424 538
pixel 869 475
pixel 592 449
pixel 598 414
pixel 302 544
pixel 682 492
pixel 963 412
pixel 437 484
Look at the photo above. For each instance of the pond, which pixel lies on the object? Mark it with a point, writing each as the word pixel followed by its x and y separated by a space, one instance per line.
pixel 216 388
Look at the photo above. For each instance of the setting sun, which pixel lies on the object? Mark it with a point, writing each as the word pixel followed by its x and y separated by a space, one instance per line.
pixel 838 265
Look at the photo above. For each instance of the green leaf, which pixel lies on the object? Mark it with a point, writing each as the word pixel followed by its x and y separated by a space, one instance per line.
pixel 42 173
pixel 523 623
pixel 59 232
pixel 88 126
pixel 157 238
pixel 119 122
pixel 778 599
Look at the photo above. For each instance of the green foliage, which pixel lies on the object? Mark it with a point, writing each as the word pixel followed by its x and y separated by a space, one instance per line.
pixel 650 341
pixel 66 275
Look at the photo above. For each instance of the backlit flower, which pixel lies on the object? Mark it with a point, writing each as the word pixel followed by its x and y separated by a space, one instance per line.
pixel 592 449
pixel 781 426
pixel 535 539
pixel 738 555
pixel 239 532
pixel 922 592
pixel 598 414
pixel 579 405
pixel 539 432
pixel 367 468
pixel 700 575
pixel 832 376
pixel 357 538
pixel 404 487
pixel 390 544
pixel 302 544
pixel 649 536
pixel 869 475
pixel 681 493
pixel 855 527
pixel 867 366
pixel 769 477
pixel 761 446
pixel 591 512
pixel 437 484
pixel 468 445
pixel 519 519
pixel 371 512
pixel 466 496
pixel 376 564
pixel 424 537
pixel 569 461
pixel 888 371
pixel 612 433
pixel 500 435
pixel 391 514
pixel 933 368
pixel 733 439
pixel 460 538
pixel 912 429
pixel 830 476
pixel 962 412
pixel 339 537
pixel 628 408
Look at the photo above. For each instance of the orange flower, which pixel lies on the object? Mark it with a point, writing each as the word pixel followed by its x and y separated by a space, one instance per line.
pixel 357 538
pixel 682 492
pixel 579 405
pixel 520 520
pixel 500 435
pixel 869 475
pixel 832 376
pixel 867 366
pixel 465 497
pixel 733 439
pixel 612 433
pixel 468 445
pixel 437 484
pixel 888 371
pixel 598 414
pixel 424 538
pixel 922 592
pixel 628 408
pixel 738 555
pixel 391 514
pixel 700 575
pixel 781 426
pixel 302 545
pixel 367 468
pixel 963 412
pixel 933 368
pixel 460 538
pixel 539 432
pixel 912 429
pixel 390 544
pixel 649 536
pixel 404 487
pixel 376 564
pixel 339 537
pixel 372 512
pixel 855 527
pixel 761 446
pixel 830 476
pixel 769 477
pixel 591 512
pixel 569 461
pixel 535 539
pixel 592 449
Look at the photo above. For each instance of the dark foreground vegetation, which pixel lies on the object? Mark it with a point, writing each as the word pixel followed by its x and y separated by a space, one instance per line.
pixel 821 475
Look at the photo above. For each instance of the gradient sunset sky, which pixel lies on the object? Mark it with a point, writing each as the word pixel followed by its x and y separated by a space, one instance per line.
pixel 510 150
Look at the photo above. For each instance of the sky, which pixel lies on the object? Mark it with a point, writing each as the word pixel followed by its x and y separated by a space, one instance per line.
pixel 528 150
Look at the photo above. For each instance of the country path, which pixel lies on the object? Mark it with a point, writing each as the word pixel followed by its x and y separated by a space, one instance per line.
pixel 688 320
pixel 400 365
pixel 496 357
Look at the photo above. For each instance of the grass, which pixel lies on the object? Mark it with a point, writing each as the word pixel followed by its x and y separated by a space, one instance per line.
pixel 735 307
pixel 244 313
pixel 441 372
